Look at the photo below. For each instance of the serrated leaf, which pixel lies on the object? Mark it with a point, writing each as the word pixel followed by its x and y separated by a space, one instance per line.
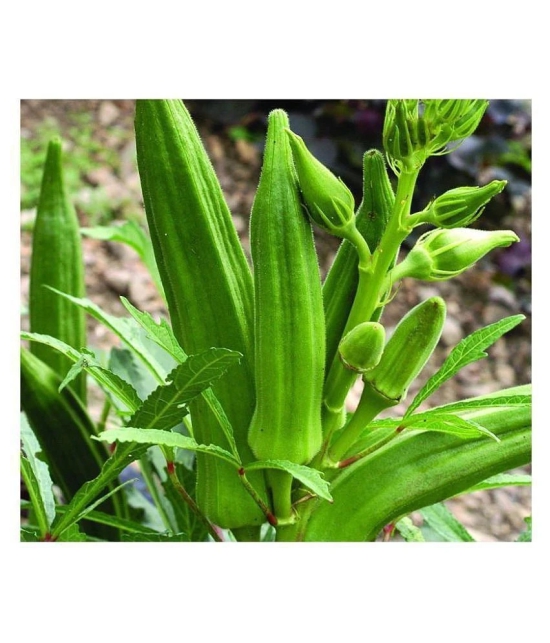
pixel 123 392
pixel 131 234
pixel 166 439
pixel 123 524
pixel 474 404
pixel 470 349
pixel 162 409
pixel 126 328
pixel 160 333
pixel 442 521
pixel 311 478
pixel 502 480
pixel 447 423
pixel 147 537
pixel 124 364
pixel 41 475
pixel 410 532
pixel 122 457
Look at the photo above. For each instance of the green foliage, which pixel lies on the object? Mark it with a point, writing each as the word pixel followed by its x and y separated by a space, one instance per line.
pixel 178 454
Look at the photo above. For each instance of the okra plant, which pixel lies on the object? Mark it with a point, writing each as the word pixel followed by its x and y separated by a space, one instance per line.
pixel 233 414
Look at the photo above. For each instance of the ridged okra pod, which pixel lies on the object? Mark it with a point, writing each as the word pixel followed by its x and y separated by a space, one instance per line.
pixel 341 282
pixel 208 288
pixel 56 262
pixel 288 320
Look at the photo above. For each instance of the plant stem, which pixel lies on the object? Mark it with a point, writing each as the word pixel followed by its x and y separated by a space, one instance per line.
pixel 372 282
pixel 147 473
pixel 190 502
pixel 370 405
pixel 271 519
pixel 280 483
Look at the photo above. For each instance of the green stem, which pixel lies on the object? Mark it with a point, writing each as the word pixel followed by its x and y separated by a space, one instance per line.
pixel 190 502
pixel 271 519
pixel 281 488
pixel 370 405
pixel 371 287
pixel 147 473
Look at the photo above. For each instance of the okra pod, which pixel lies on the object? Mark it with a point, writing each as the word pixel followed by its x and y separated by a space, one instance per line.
pixel 208 288
pixel 57 262
pixel 288 319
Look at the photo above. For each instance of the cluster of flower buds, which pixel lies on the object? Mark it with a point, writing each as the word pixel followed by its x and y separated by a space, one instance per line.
pixel 460 207
pixel 329 202
pixel 415 130
pixel 441 254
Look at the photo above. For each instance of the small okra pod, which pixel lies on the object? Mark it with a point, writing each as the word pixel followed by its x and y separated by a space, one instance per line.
pixel 407 351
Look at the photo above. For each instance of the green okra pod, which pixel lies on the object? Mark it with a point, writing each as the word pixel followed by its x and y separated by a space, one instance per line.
pixel 57 262
pixel 407 351
pixel 208 288
pixel 288 320
pixel 342 279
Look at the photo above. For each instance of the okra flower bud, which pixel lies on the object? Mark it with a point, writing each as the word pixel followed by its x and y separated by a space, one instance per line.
pixel 407 351
pixel 461 206
pixel 361 349
pixel 415 130
pixel 442 254
pixel 329 202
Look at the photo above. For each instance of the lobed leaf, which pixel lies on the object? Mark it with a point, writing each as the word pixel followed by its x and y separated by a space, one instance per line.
pixel 166 439
pixel 163 408
pixel 410 532
pixel 442 521
pixel 470 349
pixel 311 478
pixel 124 393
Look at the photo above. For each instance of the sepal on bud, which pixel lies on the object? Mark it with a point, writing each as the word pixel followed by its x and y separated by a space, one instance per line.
pixel 361 348
pixel 329 202
pixel 441 254
pixel 460 207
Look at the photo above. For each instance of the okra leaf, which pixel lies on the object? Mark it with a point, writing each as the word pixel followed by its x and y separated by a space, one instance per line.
pixel 163 408
pixel 147 537
pixel 501 480
pixel 488 402
pixel 410 532
pixel 442 521
pixel 101 518
pixel 160 333
pixel 311 478
pixel 447 423
pixel 36 473
pixel 129 331
pixel 33 487
pixel 123 362
pixel 166 439
pixel 132 235
pixel 470 349
pixel 109 382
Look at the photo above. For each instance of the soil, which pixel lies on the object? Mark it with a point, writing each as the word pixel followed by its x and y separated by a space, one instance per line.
pixel 474 299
